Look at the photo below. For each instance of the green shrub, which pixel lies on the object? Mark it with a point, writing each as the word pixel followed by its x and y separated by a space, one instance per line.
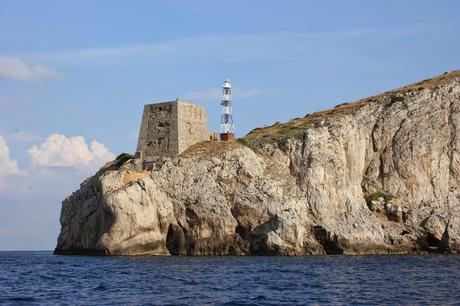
pixel 121 159
pixel 294 132
pixel 252 143
pixel 395 98
pixel 379 194
pixel 280 138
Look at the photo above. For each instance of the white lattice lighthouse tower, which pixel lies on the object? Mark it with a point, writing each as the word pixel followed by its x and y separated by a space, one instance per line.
pixel 227 129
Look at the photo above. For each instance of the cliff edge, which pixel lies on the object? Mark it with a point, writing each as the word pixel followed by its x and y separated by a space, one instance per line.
pixel 380 175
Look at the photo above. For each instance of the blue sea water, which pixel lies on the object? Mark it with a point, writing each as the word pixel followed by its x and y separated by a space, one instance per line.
pixel 35 278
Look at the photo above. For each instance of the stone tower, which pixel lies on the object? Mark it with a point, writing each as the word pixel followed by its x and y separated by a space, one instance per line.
pixel 169 128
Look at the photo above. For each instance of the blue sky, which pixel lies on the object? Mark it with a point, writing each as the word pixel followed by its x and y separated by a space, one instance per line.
pixel 74 76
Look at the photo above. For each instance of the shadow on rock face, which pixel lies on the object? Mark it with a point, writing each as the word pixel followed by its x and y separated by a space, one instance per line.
pixel 258 237
pixel 176 241
pixel 85 217
pixel 328 241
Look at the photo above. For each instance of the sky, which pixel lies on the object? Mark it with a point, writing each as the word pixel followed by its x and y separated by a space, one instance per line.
pixel 74 76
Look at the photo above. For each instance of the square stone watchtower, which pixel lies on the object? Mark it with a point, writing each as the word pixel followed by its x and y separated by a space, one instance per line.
pixel 169 128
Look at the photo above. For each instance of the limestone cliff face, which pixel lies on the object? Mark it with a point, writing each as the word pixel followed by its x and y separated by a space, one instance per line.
pixel 375 176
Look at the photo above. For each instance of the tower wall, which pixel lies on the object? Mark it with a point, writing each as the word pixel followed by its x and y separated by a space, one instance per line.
pixel 192 125
pixel 169 128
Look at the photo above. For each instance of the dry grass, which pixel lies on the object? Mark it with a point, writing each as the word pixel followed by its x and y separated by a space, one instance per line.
pixel 209 149
pixel 295 127
pixel 281 132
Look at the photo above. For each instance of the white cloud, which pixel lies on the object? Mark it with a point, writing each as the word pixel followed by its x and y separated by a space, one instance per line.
pixel 21 136
pixel 207 94
pixel 8 166
pixel 15 69
pixel 243 47
pixel 247 93
pixel 70 152
pixel 216 94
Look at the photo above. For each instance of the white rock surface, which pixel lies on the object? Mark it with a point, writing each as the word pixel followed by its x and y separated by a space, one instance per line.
pixel 303 195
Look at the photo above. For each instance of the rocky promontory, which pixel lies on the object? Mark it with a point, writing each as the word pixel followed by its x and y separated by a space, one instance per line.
pixel 380 175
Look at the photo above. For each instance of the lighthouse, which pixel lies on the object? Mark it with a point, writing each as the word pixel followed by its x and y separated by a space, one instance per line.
pixel 227 129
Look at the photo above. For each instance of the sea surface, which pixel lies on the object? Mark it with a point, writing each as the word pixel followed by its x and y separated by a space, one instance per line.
pixel 36 278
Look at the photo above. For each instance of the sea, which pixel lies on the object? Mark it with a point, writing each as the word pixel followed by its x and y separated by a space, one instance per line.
pixel 41 278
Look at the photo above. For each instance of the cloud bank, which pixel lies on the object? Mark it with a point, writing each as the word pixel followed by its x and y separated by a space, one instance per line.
pixel 8 166
pixel 15 69
pixel 70 152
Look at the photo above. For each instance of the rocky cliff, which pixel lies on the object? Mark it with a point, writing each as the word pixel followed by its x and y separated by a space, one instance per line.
pixel 380 175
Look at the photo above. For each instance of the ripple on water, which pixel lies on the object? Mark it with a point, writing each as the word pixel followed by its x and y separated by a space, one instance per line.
pixel 42 278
